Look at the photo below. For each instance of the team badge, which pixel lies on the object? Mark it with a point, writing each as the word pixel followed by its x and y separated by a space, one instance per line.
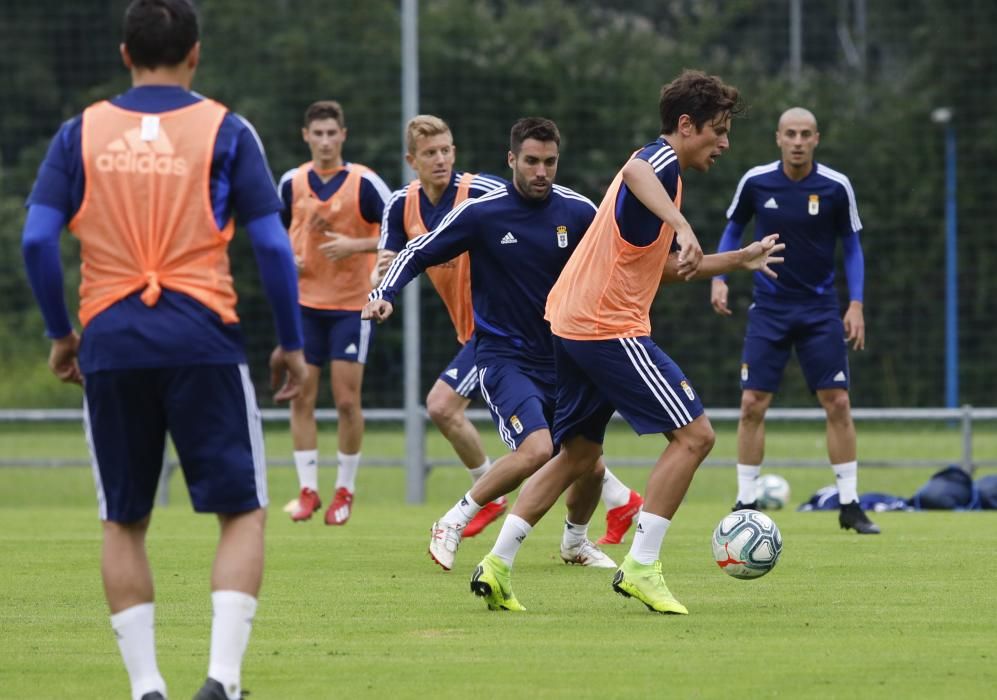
pixel 813 206
pixel 687 389
pixel 562 236
pixel 744 371
pixel 516 424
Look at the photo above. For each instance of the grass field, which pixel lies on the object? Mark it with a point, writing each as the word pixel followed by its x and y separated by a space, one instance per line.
pixel 362 612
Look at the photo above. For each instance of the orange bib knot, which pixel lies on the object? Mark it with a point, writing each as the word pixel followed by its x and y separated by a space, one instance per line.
pixel 153 291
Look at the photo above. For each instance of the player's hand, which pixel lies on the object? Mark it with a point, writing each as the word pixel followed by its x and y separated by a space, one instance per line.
pixel 384 260
pixel 62 359
pixel 690 253
pixel 855 326
pixel 337 247
pixel 718 296
pixel 378 310
pixel 758 255
pixel 288 372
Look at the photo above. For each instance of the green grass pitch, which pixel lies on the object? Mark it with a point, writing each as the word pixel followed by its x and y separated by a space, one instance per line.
pixel 361 611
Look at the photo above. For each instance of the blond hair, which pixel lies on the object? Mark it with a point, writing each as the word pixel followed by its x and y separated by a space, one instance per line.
pixel 423 126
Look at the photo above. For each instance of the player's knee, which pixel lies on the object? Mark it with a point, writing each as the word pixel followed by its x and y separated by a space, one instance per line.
pixel 536 451
pixel 753 407
pixel 442 410
pixel 700 438
pixel 348 407
pixel 837 405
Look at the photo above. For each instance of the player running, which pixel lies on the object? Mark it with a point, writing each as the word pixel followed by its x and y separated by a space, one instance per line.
pixel 518 239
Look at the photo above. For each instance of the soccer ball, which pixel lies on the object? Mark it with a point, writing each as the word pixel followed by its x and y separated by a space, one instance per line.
pixel 746 544
pixel 772 492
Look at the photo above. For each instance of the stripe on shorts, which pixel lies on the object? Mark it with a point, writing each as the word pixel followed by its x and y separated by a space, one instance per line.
pixel 656 382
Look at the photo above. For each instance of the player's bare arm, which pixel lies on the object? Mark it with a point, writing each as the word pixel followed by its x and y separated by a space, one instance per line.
pixel 639 177
pixel 854 321
pixel 378 310
pixel 756 256
pixel 384 259
pixel 339 246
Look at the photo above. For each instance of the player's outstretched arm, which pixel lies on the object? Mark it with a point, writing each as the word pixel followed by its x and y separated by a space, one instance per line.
pixel 378 310
pixel 756 256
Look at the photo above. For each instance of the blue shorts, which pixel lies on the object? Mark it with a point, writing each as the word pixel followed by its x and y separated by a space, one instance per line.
pixel 816 332
pixel 630 375
pixel 335 335
pixel 461 374
pixel 210 413
pixel 520 403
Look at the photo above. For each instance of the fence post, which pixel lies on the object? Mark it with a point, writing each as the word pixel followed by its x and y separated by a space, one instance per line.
pixel 967 438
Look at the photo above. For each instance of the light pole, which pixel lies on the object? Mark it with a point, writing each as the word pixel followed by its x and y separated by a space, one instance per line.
pixel 943 116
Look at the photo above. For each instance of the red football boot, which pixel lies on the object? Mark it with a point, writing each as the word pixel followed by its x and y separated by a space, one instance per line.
pixel 308 503
pixel 340 508
pixel 619 519
pixel 492 511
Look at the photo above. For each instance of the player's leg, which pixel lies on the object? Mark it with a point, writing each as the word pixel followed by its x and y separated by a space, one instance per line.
pixel 447 404
pixel 823 355
pixel 116 404
pixel 351 341
pixel 519 407
pixel 304 429
pixel 767 346
pixel 225 468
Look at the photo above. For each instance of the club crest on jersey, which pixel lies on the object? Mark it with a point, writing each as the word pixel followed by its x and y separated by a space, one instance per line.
pixel 562 236
pixel 744 371
pixel 687 389
pixel 813 206
pixel 516 424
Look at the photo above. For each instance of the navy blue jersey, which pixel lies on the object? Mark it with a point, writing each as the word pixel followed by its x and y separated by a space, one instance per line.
pixel 517 247
pixel 809 216
pixel 638 225
pixel 178 330
pixel 374 193
pixel 393 236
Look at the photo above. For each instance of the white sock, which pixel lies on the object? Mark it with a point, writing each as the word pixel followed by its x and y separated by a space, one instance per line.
pixel 230 627
pixel 306 464
pixel 614 492
pixel 135 628
pixel 649 534
pixel 346 477
pixel 574 534
pixel 847 476
pixel 514 531
pixel 479 471
pixel 747 492
pixel 462 513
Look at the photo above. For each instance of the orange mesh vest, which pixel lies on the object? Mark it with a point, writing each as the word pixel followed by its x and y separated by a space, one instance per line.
pixel 452 279
pixel 340 285
pixel 146 220
pixel 606 289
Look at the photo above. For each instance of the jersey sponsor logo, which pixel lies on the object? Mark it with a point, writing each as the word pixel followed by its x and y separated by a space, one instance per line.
pixel 687 389
pixel 516 424
pixel 452 373
pixel 840 376
pixel 813 205
pixel 131 153
pixel 508 238
pixel 562 236
pixel 744 371
pixel 771 204
pixel 351 349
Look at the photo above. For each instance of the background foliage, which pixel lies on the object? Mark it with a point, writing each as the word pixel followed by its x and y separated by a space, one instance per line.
pixel 595 67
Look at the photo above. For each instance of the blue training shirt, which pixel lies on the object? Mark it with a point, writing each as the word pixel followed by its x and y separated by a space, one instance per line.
pixel 638 225
pixel 178 330
pixel 393 236
pixel 809 216
pixel 517 248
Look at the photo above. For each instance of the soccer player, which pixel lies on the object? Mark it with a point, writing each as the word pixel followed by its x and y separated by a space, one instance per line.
pixel 333 211
pixel 413 211
pixel 148 182
pixel 606 360
pixel 812 207
pixel 518 239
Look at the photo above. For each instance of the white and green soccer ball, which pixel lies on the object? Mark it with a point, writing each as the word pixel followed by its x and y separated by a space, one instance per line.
pixel 772 492
pixel 747 544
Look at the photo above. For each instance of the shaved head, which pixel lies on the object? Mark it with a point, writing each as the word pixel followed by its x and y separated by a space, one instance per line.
pixel 797 114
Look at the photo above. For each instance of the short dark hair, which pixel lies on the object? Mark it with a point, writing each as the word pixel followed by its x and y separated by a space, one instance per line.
pixel 703 97
pixel 533 128
pixel 325 109
pixel 160 32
